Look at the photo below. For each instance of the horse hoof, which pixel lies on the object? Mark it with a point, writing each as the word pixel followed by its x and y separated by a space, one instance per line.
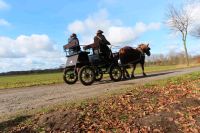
pixel 144 75
pixel 124 78
pixel 127 77
pixel 132 76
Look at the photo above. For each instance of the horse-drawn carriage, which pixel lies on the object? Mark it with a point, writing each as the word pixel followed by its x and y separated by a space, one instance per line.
pixel 88 66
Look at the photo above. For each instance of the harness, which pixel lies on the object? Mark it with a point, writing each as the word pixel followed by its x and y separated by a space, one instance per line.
pixel 142 53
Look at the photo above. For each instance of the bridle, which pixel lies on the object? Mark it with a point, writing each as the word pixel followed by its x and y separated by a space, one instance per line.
pixel 141 51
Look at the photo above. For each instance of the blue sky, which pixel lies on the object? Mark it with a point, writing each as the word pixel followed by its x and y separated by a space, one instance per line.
pixel 32 32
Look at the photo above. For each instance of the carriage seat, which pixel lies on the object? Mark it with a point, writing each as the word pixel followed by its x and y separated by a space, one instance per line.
pixel 72 51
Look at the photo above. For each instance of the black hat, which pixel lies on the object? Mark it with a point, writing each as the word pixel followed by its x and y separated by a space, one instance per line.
pixel 73 35
pixel 99 31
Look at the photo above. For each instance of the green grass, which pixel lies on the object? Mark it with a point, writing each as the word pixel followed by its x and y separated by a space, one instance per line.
pixel 159 68
pixel 17 81
pixel 175 80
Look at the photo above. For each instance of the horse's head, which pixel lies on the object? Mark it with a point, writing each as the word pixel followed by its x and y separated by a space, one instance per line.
pixel 145 49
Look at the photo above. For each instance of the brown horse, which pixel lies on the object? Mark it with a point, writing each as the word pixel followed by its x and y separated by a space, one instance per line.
pixel 133 56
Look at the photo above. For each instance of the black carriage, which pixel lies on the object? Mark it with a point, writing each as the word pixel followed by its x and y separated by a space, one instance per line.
pixel 88 66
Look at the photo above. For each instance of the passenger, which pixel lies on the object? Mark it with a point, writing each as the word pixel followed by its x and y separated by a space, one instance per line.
pixel 70 38
pixel 73 44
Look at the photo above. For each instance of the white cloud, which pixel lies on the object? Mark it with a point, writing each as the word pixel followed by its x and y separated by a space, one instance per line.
pixel 120 34
pixel 23 46
pixel 193 9
pixel 77 27
pixel 114 30
pixel 21 64
pixel 3 22
pixel 29 52
pixel 3 5
pixel 92 22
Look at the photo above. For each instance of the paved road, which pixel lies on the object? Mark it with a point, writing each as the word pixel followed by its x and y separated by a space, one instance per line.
pixel 28 98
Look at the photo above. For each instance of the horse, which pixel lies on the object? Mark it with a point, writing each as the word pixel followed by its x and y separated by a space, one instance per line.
pixel 133 56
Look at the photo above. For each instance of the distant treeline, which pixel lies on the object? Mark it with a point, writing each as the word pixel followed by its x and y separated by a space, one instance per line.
pixel 171 59
pixel 32 72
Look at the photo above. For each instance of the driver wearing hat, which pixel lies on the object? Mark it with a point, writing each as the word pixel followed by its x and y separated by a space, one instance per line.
pixel 101 43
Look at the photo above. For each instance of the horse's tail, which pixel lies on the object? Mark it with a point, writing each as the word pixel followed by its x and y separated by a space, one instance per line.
pixel 122 53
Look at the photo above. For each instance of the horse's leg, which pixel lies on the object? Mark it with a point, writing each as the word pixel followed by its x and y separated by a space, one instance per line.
pixel 123 72
pixel 133 69
pixel 126 73
pixel 142 66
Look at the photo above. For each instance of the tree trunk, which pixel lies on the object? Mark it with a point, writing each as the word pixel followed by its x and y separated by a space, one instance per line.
pixel 184 38
pixel 186 53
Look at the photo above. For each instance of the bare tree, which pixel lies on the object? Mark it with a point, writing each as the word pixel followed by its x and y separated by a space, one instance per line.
pixel 179 20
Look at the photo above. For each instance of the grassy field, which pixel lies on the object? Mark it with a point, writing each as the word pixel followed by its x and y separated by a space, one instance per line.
pixel 170 105
pixel 16 81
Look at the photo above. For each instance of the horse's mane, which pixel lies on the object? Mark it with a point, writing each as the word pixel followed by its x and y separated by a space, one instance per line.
pixel 143 46
pixel 140 47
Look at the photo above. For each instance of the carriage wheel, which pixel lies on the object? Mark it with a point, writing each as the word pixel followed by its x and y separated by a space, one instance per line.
pixel 70 76
pixel 86 75
pixel 98 74
pixel 115 73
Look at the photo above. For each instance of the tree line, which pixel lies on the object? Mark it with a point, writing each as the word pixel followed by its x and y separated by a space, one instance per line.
pixel 172 59
pixel 53 70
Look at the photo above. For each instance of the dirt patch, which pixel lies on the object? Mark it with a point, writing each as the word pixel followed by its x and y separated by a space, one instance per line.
pixel 163 121
pixel 166 120
pixel 185 103
pixel 59 120
pixel 25 129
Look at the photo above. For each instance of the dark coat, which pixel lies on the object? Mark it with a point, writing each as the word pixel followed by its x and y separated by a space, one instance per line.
pixel 73 45
pixel 100 42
